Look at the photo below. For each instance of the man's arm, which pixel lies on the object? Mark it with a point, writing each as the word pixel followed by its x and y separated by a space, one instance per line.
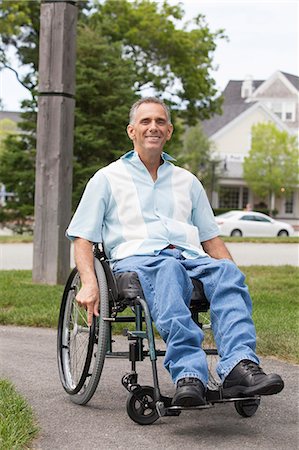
pixel 216 248
pixel 89 295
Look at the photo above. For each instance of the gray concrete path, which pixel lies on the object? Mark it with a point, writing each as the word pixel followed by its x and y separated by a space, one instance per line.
pixel 19 256
pixel 28 359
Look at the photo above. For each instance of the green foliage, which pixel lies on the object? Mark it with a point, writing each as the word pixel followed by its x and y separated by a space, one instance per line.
pixel 17 424
pixel 198 156
pixel 272 162
pixel 174 62
pixel 103 95
pixel 7 127
pixel 19 27
pixel 17 172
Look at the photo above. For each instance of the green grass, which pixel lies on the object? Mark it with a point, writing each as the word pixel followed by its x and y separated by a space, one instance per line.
pixel 16 239
pixel 24 303
pixel 25 238
pixel 263 240
pixel 274 292
pixel 17 424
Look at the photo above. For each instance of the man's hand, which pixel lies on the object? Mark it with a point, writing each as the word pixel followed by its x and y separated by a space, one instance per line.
pixel 89 298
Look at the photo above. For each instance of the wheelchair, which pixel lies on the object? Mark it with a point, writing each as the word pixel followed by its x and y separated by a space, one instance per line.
pixel 82 350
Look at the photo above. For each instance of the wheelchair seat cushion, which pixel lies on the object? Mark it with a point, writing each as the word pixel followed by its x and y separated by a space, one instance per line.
pixel 129 287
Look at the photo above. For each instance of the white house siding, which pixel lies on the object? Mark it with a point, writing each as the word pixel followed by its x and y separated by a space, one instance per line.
pixel 276 89
pixel 236 140
pixel 279 92
pixel 232 144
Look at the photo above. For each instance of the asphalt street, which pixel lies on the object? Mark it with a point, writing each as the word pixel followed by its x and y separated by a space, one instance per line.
pixel 19 256
pixel 28 359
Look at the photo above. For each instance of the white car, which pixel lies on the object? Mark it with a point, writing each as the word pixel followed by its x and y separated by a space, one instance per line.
pixel 251 223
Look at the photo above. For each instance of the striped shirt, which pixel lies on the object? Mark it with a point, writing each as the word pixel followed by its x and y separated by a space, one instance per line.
pixel 123 208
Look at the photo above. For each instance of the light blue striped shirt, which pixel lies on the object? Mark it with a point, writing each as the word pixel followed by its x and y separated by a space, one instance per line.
pixel 131 214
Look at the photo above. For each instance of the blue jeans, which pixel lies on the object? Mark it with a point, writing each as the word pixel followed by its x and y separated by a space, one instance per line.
pixel 165 280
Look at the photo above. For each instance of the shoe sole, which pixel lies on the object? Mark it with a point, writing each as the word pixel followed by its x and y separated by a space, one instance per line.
pixel 189 401
pixel 260 389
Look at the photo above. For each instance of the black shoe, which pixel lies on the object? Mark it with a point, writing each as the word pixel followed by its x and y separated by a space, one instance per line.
pixel 189 392
pixel 247 378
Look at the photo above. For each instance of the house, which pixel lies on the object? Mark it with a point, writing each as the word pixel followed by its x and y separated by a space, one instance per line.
pixel 246 103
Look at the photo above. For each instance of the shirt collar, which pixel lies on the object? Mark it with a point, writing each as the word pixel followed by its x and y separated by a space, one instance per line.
pixel 132 155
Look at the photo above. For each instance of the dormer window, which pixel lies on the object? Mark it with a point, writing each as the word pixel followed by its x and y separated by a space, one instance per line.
pixel 277 109
pixel 289 112
pixel 284 110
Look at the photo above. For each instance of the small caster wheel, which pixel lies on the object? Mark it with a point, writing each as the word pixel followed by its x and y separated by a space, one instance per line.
pixel 247 408
pixel 141 406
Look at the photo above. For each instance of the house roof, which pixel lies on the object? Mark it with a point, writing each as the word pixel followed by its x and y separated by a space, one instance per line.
pixel 230 112
pixel 234 105
pixel 12 115
pixel 232 91
pixel 292 79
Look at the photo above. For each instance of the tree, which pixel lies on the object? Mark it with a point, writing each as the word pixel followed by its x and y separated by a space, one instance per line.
pixel 173 62
pixel 7 127
pixel 199 158
pixel 272 163
pixel 103 95
pixel 17 163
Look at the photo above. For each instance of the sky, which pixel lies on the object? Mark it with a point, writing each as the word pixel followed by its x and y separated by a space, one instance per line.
pixel 263 38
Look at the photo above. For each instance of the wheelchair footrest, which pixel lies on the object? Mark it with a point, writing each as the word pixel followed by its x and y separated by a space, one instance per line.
pixel 220 396
pixel 169 411
pixel 164 410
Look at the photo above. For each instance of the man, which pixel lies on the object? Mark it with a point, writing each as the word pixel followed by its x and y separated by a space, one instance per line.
pixel 154 219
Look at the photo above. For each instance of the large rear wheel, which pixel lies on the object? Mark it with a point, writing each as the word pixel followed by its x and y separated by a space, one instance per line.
pixel 82 349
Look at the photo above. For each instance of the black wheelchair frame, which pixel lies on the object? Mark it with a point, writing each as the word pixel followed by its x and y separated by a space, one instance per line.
pixel 81 350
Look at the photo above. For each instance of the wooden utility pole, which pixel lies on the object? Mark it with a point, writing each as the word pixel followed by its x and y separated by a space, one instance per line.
pixel 55 125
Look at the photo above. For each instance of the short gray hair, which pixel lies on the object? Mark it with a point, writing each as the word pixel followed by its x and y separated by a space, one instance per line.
pixel 140 102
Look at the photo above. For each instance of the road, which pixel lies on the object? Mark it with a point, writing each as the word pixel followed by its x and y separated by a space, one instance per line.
pixel 28 359
pixel 19 256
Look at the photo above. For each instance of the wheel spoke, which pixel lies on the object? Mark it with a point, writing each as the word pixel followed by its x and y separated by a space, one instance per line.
pixel 82 349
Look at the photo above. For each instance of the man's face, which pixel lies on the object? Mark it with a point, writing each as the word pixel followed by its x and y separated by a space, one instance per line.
pixel 150 129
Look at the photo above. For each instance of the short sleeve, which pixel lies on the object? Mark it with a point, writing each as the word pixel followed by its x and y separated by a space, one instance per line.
pixel 87 221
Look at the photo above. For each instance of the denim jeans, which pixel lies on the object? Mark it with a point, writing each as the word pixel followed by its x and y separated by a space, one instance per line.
pixel 165 280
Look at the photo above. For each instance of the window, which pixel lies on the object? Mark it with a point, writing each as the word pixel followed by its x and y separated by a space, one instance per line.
pixel 289 112
pixel 248 217
pixel 289 203
pixel 277 109
pixel 233 197
pixel 229 197
pixel 284 110
pixel 262 219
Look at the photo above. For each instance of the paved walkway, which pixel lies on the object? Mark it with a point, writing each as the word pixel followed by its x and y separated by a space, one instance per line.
pixel 19 256
pixel 28 359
